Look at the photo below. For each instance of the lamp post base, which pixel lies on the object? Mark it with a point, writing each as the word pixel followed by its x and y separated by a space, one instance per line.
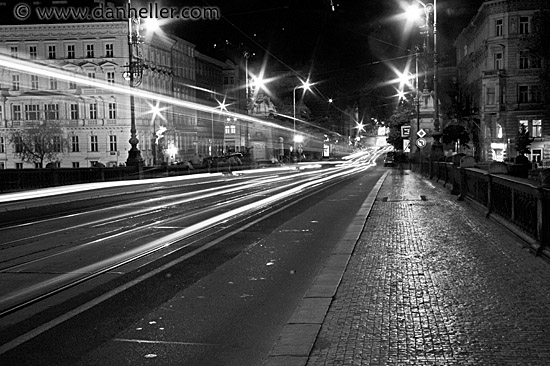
pixel 436 151
pixel 135 160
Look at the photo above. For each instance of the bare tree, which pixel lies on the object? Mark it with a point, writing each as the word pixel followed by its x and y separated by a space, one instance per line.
pixel 40 142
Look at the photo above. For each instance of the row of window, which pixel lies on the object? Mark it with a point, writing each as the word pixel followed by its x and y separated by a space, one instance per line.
pixel 33 112
pixel 526 94
pixel 152 84
pixel 53 82
pixel 525 61
pixel 517 26
pixel 51 51
pixel 521 25
pixel 89 51
pixel 93 145
pixel 534 127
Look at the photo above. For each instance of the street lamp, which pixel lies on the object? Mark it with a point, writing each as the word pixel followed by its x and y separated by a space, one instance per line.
pixel 432 9
pixel 306 85
pixel 134 75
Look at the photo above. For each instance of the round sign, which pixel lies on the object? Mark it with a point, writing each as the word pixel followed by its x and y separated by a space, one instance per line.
pixel 421 143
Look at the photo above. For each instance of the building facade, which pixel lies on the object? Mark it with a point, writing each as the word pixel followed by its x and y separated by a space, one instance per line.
pixel 500 78
pixel 95 118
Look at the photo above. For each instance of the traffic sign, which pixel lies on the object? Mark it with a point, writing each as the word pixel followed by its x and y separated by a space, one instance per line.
pixel 405 131
pixel 420 143
pixel 406 145
pixel 421 133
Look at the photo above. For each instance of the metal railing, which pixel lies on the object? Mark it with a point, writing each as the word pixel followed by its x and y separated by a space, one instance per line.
pixel 519 201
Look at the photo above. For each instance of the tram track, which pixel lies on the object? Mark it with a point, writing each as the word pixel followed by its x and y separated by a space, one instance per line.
pixel 261 204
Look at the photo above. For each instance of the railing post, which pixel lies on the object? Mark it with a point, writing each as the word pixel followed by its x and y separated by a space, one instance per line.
pixel 456 179
pixel 512 209
pixel 463 183
pixel 542 231
pixel 489 194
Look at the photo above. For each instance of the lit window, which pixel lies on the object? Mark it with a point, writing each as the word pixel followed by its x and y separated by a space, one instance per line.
pixel 537 128
pixel 525 123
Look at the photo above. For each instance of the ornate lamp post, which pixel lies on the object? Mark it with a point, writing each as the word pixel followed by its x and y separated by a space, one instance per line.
pixel 306 85
pixel 431 9
pixel 134 75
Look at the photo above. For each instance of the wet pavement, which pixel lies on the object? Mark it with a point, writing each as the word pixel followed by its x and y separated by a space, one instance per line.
pixel 425 280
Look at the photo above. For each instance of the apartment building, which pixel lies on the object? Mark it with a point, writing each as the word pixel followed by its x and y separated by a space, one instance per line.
pixel 500 78
pixel 93 110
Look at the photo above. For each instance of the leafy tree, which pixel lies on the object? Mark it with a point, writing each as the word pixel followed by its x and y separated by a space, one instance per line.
pixel 523 141
pixel 401 116
pixel 38 143
pixel 454 133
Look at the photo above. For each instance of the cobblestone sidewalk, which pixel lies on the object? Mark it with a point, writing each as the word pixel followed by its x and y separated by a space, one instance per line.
pixel 433 282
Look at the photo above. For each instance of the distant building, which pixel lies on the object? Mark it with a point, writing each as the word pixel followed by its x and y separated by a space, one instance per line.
pixel 499 78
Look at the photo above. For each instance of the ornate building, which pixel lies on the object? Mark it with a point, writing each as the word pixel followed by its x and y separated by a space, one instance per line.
pixel 500 78
pixel 95 118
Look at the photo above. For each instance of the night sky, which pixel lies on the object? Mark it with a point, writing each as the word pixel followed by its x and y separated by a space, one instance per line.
pixel 347 48
pixel 346 45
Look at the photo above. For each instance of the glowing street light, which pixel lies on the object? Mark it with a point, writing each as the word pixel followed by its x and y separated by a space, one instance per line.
pixel 430 8
pixel 133 74
pixel 306 85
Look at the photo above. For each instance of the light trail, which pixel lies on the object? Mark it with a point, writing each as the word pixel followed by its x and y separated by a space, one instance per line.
pixel 33 69
pixel 143 250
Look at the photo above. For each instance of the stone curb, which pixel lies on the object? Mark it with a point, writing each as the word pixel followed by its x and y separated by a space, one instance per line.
pixel 298 337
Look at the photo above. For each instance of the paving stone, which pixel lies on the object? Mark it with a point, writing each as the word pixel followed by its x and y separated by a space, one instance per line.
pixel 434 282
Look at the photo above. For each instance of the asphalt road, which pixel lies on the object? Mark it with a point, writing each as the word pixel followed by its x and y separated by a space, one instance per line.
pixel 224 306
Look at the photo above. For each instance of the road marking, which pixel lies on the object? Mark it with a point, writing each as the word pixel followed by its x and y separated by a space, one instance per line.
pixel 163 342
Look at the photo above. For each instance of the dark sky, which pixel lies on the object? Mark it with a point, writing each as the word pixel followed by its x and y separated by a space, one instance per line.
pixel 308 33
pixel 345 43
pixel 346 48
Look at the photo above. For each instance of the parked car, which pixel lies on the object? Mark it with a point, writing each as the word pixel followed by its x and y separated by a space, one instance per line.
pixel 389 160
